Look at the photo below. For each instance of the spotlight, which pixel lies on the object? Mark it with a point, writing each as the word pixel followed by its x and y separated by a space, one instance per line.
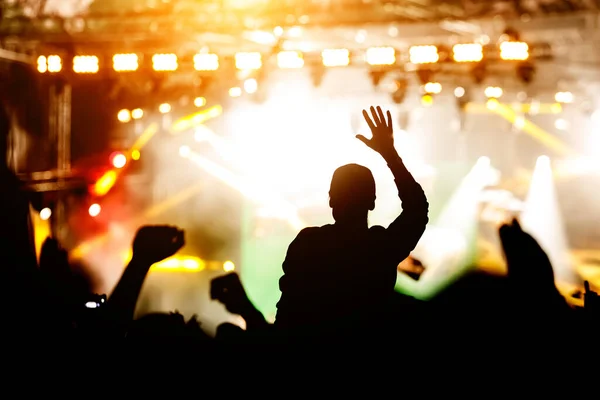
pixel 45 214
pixel 184 151
pixel 459 92
pixel 94 210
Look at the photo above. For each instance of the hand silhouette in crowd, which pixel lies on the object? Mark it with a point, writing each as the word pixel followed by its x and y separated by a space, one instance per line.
pixel 383 133
pixel 153 244
pixel 530 270
pixel 591 300
pixel 229 291
pixel 528 264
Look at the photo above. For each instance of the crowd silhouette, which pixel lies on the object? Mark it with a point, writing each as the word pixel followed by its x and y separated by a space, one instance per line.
pixel 338 281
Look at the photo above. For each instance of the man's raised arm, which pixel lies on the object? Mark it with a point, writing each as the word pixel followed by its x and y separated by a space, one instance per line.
pixel 410 224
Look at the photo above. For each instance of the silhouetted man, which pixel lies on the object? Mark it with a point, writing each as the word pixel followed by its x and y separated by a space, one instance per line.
pixel 338 272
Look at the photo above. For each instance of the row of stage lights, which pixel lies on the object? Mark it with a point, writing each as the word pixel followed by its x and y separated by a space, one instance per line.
pixel 375 56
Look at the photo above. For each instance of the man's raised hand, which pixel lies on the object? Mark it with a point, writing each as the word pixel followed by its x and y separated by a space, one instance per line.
pixel 153 244
pixel 382 130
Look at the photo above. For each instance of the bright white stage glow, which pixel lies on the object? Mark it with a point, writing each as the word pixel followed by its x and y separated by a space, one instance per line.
pixel 294 141
pixel 542 219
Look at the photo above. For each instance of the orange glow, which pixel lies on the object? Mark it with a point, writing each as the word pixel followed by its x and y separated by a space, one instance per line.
pixel 105 183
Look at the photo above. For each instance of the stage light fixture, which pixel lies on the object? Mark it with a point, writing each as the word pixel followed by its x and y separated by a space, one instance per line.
pixel 118 159
pixel 137 113
pixel 164 108
pixel 514 51
pixel 248 60
pixel 493 92
pixel 42 64
pixel 290 59
pixel 52 64
pixel 564 97
pixel 424 54
pixel 206 62
pixel 335 57
pixel 45 214
pixel 94 210
pixel 165 62
pixel 85 64
pixel 381 56
pixel 427 100
pixel 228 266
pixel 432 88
pixel 235 91
pixel 124 116
pixel 459 92
pixel 470 52
pixel 199 102
pixel 251 86
pixel 125 62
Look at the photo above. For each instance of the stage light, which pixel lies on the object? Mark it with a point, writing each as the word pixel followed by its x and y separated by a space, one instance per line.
pixel 228 266
pixel 514 51
pixel 564 97
pixel 492 104
pixel 519 123
pixel 45 214
pixel 248 61
pixel 199 101
pixel 484 161
pixel 206 62
pixel 235 91
pixel 105 183
pixel 165 62
pixel 124 116
pixel 278 31
pixel 185 151
pixel 137 113
pixel 42 64
pixel 54 63
pixel 290 60
pixel 125 62
pixel 250 86
pixel 164 108
pixel 85 64
pixel 432 88
pixel 94 210
pixel 561 124
pixel 335 57
pixel 472 52
pixel 381 56
pixel 424 54
pixel 135 155
pixel 118 160
pixel 556 108
pixel 459 92
pixel 543 162
pixel 493 92
pixel 427 100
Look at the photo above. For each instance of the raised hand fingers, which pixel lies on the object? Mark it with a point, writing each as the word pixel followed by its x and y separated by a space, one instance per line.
pixel 368 119
pixel 381 117
pixel 375 116
pixel 389 118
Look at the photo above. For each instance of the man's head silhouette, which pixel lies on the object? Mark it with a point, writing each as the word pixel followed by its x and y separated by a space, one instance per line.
pixel 352 193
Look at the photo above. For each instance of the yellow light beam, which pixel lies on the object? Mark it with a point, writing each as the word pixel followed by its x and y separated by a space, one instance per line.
pixel 535 131
pixel 542 108
pixel 195 119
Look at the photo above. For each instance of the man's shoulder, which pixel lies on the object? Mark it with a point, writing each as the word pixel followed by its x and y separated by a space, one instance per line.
pixel 313 232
